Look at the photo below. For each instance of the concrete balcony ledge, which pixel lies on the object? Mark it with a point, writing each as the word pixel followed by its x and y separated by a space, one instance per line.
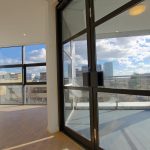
pixel 110 105
pixel 134 105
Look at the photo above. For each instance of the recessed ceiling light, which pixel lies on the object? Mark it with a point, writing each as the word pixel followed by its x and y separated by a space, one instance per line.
pixel 116 31
pixel 137 10
pixel 24 34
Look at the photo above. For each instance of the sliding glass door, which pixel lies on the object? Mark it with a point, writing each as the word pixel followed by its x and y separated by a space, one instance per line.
pixel 75 63
pixel 103 59
pixel 122 55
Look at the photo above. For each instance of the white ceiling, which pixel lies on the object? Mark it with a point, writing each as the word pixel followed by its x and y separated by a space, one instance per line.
pixel 121 25
pixel 126 24
pixel 23 16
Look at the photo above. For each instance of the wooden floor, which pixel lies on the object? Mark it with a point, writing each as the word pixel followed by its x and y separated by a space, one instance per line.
pixel 25 128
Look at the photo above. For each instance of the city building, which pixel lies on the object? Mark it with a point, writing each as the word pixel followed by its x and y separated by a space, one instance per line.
pixel 42 76
pixel 108 69
pixel 45 46
pixel 30 76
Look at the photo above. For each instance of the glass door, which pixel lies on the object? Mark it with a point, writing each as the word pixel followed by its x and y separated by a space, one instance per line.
pixel 104 72
pixel 122 58
pixel 77 99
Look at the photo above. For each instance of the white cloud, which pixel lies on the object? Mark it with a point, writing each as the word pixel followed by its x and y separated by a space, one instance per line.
pixel 36 70
pixel 123 48
pixel 80 61
pixel 37 55
pixel 129 52
pixel 125 61
pixel 5 60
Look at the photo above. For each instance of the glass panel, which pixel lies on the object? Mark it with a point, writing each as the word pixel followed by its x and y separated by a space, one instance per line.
pixel 10 75
pixel 75 61
pixel 10 55
pixel 35 53
pixel 131 22
pixel 73 18
pixel 104 7
pixel 77 115
pixel 124 121
pixel 123 50
pixel 36 74
pixel 11 94
pixel 36 94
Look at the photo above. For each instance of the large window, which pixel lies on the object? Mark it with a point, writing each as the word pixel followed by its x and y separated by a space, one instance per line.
pixel 35 53
pixel 104 63
pixel 23 75
pixel 8 57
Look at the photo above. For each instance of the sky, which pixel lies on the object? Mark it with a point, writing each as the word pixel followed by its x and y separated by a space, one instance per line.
pixel 129 55
pixel 13 55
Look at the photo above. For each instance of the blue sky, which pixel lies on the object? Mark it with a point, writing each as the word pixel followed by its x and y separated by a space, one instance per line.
pixel 129 55
pixel 35 53
pixel 13 55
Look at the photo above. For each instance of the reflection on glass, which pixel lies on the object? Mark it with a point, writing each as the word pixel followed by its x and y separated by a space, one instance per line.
pixel 123 121
pixel 73 18
pixel 75 61
pixel 36 74
pixel 10 75
pixel 77 111
pixel 126 24
pixel 11 94
pixel 102 7
pixel 35 53
pixel 122 46
pixel 125 61
pixel 6 57
pixel 36 94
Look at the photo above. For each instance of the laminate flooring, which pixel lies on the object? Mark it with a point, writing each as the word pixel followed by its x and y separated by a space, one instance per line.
pixel 25 128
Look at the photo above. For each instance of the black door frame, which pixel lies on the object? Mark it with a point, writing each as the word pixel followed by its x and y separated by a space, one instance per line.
pixel 93 89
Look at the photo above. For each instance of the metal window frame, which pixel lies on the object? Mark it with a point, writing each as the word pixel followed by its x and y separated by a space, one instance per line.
pixel 90 30
pixel 23 67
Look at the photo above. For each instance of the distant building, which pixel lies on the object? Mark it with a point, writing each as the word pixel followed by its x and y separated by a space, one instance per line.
pixel 99 68
pixel 85 68
pixel 15 76
pixel 10 76
pixel 78 72
pixel 30 76
pixel 43 76
pixel 2 75
pixel 108 69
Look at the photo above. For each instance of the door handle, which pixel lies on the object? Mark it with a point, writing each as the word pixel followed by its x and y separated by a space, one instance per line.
pixel 86 79
pixel 93 79
pixel 100 78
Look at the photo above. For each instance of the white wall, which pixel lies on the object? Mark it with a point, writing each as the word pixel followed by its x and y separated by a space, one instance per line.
pixel 36 18
pixel 22 16
pixel 52 93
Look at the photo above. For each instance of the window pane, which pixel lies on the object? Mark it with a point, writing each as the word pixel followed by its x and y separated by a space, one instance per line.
pixel 36 94
pixel 123 50
pixel 11 94
pixel 124 121
pixel 10 75
pixel 11 55
pixel 128 23
pixel 77 115
pixel 35 53
pixel 36 74
pixel 73 18
pixel 104 7
pixel 75 61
